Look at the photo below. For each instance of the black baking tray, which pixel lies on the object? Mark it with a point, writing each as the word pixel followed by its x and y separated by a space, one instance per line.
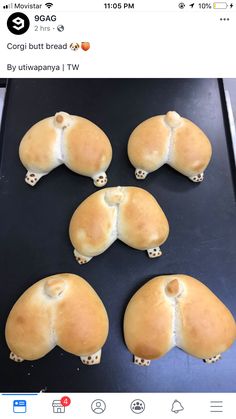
pixel 34 240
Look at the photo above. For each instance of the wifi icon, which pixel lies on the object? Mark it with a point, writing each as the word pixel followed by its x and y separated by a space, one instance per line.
pixel 49 5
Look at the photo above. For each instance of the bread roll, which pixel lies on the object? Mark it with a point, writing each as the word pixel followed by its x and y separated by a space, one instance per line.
pixel 169 139
pixel 126 213
pixel 77 142
pixel 61 310
pixel 177 310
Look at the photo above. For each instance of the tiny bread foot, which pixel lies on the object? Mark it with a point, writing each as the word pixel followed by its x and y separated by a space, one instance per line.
pixel 141 361
pixel 92 359
pixel 140 174
pixel 80 258
pixel 197 178
pixel 100 179
pixel 15 358
pixel 32 178
pixel 154 253
pixel 213 359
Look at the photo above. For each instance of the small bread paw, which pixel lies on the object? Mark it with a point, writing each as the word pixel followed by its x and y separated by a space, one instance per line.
pixel 80 258
pixel 197 178
pixel 213 359
pixel 92 359
pixel 15 358
pixel 100 180
pixel 154 253
pixel 141 361
pixel 140 174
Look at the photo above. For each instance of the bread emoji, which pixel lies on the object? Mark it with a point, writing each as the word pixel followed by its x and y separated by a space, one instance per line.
pixel 61 310
pixel 169 139
pixel 177 310
pixel 75 141
pixel 129 214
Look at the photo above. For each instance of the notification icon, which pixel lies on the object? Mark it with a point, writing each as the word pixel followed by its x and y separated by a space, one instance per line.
pixel 65 401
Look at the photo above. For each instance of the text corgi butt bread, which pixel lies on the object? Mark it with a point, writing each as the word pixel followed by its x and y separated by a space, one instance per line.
pixel 169 139
pixel 61 310
pixel 129 214
pixel 177 310
pixel 75 141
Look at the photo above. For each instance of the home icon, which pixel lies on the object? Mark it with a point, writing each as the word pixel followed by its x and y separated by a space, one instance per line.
pixel 58 407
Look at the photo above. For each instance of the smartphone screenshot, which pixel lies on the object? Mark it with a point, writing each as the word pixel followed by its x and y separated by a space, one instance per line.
pixel 117 209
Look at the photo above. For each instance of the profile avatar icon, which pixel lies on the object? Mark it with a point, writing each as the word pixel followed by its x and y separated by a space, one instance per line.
pixel 18 23
pixel 98 406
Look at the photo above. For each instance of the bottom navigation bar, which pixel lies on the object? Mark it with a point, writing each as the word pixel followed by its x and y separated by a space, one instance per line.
pixel 117 405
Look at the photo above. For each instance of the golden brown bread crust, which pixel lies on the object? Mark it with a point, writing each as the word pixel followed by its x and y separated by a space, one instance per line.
pixel 210 332
pixel 142 223
pixel 127 213
pixel 28 336
pixel 169 139
pixel 81 324
pixel 87 148
pixel 75 141
pixel 191 150
pixel 92 224
pixel 177 310
pixel 37 149
pixel 148 322
pixel 59 310
pixel 148 144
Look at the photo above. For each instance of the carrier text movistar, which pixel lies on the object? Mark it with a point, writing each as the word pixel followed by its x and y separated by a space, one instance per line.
pixel 24 6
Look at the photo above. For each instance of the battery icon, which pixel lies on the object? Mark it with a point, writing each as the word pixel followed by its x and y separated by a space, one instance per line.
pixel 220 5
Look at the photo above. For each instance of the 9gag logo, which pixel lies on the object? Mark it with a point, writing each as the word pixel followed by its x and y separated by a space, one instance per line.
pixel 18 23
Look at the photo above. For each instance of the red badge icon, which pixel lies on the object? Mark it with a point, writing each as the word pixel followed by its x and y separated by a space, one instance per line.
pixel 65 401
